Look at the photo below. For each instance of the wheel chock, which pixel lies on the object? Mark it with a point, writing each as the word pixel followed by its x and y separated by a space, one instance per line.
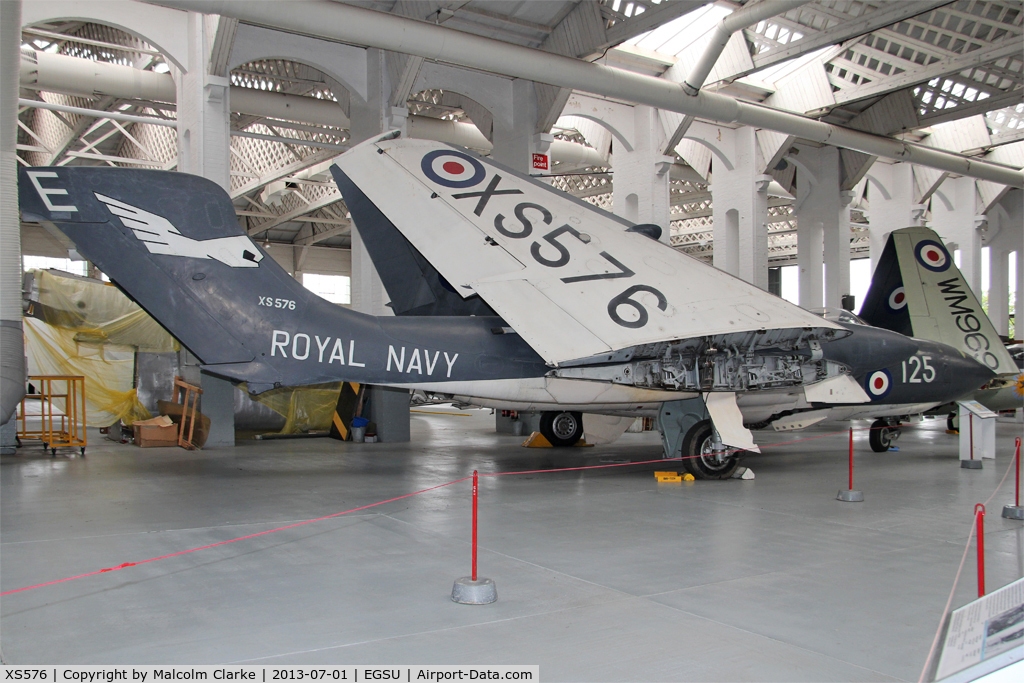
pixel 538 440
pixel 673 477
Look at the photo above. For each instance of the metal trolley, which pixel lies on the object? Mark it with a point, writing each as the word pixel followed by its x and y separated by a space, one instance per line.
pixel 58 428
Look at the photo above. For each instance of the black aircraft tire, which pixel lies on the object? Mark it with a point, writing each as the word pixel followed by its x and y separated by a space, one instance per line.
pixel 697 442
pixel 561 428
pixel 880 436
pixel 953 422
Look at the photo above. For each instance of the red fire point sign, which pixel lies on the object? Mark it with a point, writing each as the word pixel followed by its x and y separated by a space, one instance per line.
pixel 540 162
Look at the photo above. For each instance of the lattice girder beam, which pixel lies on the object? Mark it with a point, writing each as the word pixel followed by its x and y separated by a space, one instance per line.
pixel 326 200
pixel 334 231
pixel 652 17
pixel 582 33
pixel 847 28
pixel 939 69
pixel 978 107
pixel 74 134
pixel 271 175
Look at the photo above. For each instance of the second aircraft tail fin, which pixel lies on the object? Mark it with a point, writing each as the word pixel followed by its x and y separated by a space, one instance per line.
pixel 918 290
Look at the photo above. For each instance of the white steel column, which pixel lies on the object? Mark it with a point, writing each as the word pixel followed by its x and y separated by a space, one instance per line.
pixel 204 112
pixel 999 289
pixel 369 118
pixel 1018 332
pixel 891 204
pixel 837 255
pixel 822 234
pixel 740 207
pixel 513 138
pixel 204 149
pixel 12 348
pixel 1005 242
pixel 640 192
pixel 954 218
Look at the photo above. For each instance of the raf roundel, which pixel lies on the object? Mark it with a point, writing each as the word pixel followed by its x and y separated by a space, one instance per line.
pixel 452 169
pixel 898 299
pixel 879 383
pixel 932 255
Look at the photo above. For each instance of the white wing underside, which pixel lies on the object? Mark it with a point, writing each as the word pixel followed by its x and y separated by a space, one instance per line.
pixel 562 321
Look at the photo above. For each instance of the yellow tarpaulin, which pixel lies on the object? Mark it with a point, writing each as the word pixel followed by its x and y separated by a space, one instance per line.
pixel 108 370
pixel 97 312
pixel 306 409
pixel 92 329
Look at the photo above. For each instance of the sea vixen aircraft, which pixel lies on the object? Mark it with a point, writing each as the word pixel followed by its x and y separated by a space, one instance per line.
pixel 917 290
pixel 589 314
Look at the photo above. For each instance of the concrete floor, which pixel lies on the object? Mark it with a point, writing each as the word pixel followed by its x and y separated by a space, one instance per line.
pixel 603 575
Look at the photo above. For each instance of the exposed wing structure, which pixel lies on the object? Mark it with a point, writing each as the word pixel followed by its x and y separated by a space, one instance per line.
pixel 565 275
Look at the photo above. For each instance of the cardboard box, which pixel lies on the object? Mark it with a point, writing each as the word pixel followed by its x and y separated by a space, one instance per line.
pixel 157 432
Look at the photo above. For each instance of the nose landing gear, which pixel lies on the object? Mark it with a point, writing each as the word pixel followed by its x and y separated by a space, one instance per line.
pixel 882 434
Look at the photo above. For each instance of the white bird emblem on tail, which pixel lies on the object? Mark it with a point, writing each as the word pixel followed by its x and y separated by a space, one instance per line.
pixel 161 237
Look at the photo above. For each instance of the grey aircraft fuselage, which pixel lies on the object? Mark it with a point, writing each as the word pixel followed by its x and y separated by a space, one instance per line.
pixel 249 321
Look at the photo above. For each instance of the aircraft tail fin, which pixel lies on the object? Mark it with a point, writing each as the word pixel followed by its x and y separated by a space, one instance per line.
pixel 172 243
pixel 413 284
pixel 917 285
pixel 885 304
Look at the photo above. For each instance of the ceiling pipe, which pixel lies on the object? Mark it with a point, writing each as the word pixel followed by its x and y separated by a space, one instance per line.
pixel 85 111
pixel 359 26
pixel 75 76
pixel 720 35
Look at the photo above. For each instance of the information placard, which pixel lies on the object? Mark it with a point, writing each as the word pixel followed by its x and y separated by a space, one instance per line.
pixel 984 630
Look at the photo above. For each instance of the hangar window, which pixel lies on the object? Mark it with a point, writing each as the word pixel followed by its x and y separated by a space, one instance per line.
pixel 335 288
pixel 47 263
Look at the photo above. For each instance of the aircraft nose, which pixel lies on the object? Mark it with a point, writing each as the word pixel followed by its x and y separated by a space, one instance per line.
pixel 967 375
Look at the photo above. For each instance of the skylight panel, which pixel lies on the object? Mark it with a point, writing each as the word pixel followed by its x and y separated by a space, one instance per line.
pixel 675 36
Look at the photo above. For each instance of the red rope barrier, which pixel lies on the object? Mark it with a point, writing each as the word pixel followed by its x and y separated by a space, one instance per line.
pixel 409 495
pixel 234 540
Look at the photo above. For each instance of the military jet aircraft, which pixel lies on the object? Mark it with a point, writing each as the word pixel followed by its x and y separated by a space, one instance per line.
pixel 917 290
pixel 592 314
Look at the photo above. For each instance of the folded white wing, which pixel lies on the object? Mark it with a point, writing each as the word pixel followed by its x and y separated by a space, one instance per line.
pixel 565 275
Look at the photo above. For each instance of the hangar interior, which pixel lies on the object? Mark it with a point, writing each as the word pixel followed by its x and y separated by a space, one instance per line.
pixel 803 133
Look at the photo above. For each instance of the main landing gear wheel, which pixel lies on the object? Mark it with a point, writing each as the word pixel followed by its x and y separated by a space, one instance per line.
pixel 699 458
pixel 882 435
pixel 953 421
pixel 561 429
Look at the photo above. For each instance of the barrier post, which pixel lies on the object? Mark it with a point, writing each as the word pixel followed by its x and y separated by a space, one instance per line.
pixel 475 484
pixel 971 464
pixel 979 514
pixel 851 496
pixel 470 590
pixel 1015 511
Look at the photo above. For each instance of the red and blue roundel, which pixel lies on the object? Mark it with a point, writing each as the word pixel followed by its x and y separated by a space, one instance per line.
pixel 898 299
pixel 452 169
pixel 932 255
pixel 878 384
